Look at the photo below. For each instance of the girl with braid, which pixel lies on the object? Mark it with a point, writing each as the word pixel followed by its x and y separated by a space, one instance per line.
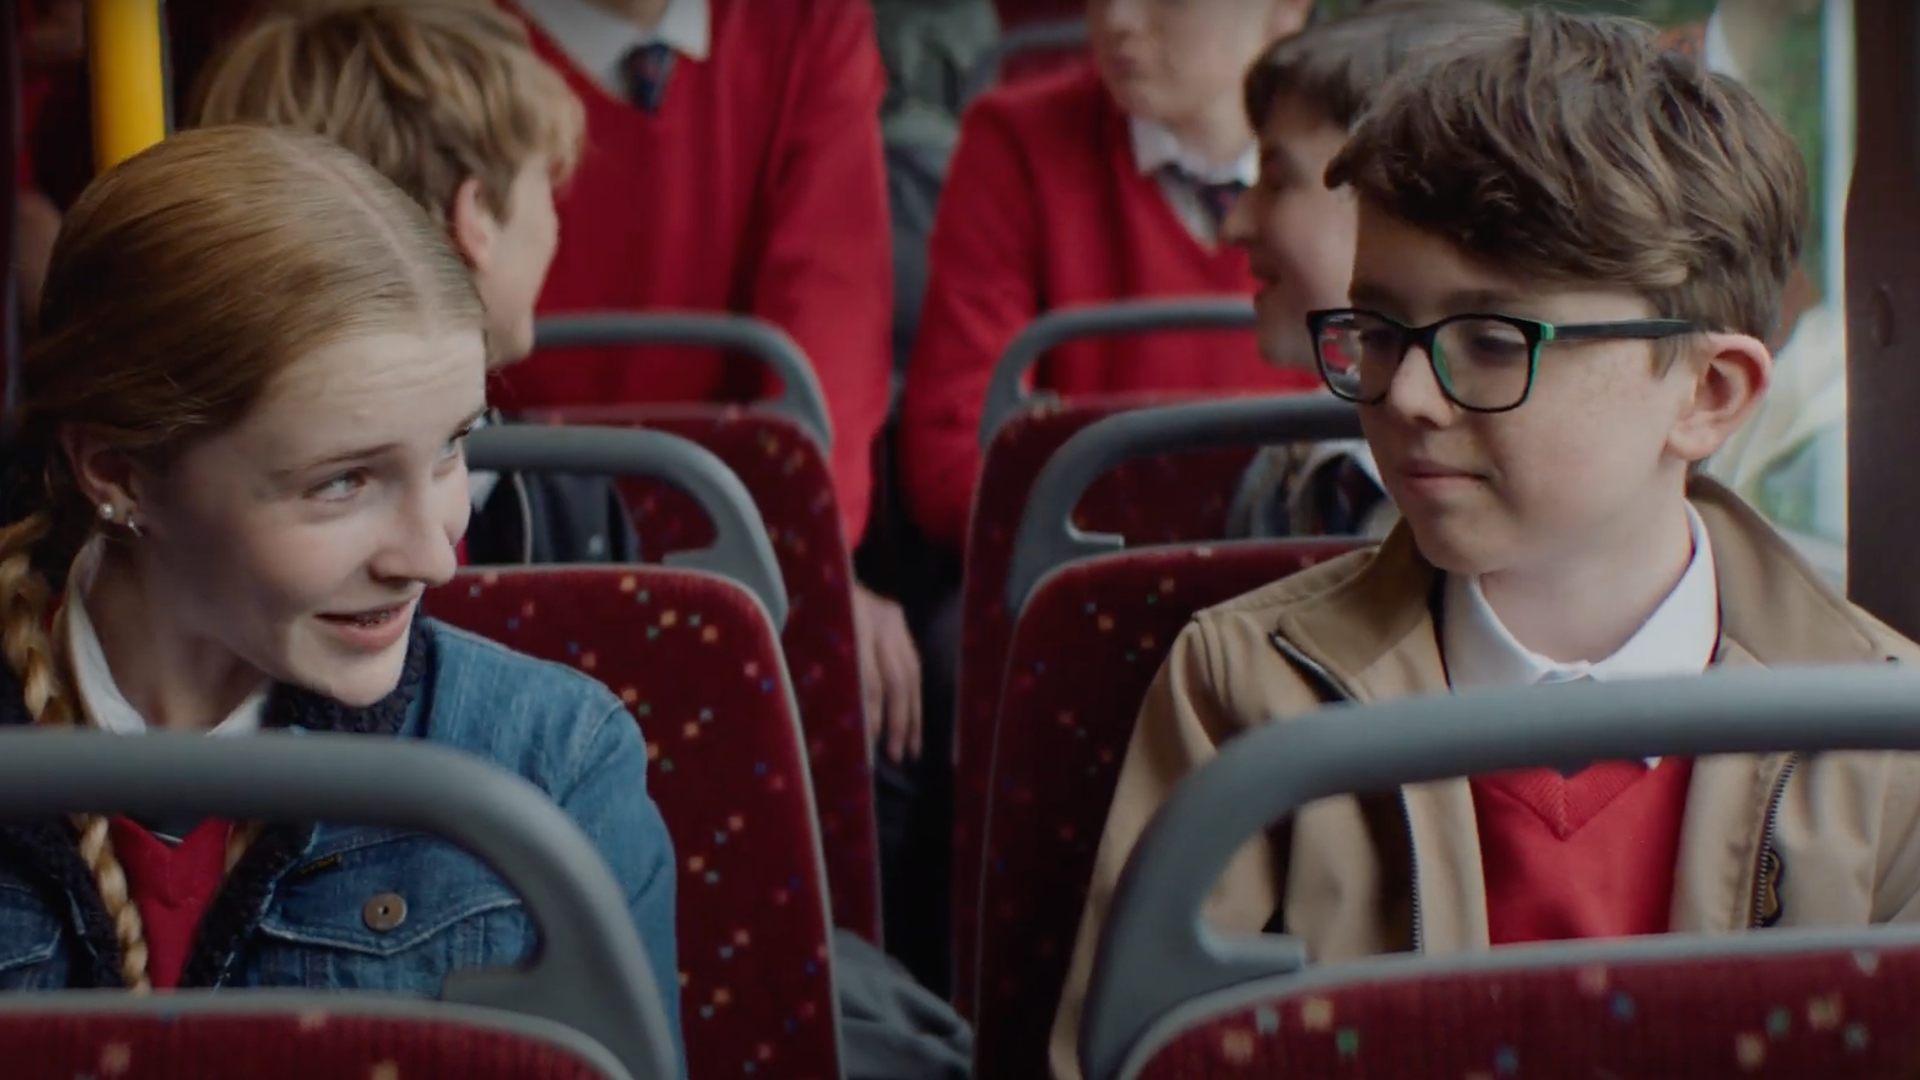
pixel 236 464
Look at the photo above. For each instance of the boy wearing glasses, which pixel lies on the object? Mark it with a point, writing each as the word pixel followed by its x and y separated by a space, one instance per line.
pixel 1570 247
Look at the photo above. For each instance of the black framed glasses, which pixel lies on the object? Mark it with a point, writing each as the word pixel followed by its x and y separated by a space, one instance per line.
pixel 1483 363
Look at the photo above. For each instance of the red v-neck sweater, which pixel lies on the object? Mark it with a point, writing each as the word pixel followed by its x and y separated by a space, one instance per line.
pixel 173 887
pixel 759 187
pixel 1043 208
pixel 1586 856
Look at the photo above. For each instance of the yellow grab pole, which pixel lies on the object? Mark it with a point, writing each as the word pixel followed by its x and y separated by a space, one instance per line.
pixel 129 87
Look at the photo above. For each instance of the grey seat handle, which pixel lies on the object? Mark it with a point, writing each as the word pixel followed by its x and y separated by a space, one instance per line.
pixel 589 974
pixel 1006 389
pixel 1048 539
pixel 801 398
pixel 740 550
pixel 1156 950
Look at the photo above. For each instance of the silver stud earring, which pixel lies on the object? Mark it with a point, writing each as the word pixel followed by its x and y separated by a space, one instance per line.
pixel 108 514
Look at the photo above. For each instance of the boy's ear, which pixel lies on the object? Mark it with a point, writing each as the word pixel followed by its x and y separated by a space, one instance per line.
pixel 472 225
pixel 1730 373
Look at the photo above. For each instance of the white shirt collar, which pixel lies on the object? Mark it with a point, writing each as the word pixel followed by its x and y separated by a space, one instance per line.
pixel 1155 147
pixel 596 40
pixel 1679 638
pixel 100 696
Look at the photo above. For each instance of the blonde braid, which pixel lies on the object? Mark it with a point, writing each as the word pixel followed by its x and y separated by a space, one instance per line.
pixel 96 848
pixel 34 658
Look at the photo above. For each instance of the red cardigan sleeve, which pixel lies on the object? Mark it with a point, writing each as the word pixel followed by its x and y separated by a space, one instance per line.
pixel 825 273
pixel 983 287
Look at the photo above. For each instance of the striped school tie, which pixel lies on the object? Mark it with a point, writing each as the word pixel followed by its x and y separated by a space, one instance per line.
pixel 646 70
pixel 1216 197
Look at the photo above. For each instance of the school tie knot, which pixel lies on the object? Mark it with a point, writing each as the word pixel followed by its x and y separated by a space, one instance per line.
pixel 646 70
pixel 1220 198
pixel 1217 197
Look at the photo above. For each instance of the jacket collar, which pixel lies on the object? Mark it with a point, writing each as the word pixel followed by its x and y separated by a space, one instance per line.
pixel 45 851
pixel 1373 629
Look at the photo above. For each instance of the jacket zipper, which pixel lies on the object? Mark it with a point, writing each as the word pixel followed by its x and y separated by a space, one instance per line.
pixel 1767 826
pixel 1333 690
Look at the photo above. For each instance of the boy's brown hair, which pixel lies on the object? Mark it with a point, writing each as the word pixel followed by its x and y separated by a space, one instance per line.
pixel 431 92
pixel 1574 149
pixel 1339 65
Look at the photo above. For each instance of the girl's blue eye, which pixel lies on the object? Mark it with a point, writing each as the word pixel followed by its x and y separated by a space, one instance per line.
pixel 344 486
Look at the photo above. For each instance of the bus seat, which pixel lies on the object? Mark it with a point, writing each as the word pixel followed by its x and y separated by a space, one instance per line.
pixel 1057 749
pixel 696 660
pixel 1168 992
pixel 1180 500
pixel 584 1007
pixel 778 449
pixel 1178 492
pixel 695 656
pixel 196 1035
pixel 1803 1005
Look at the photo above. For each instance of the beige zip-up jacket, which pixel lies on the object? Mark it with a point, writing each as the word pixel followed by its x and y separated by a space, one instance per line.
pixel 1826 840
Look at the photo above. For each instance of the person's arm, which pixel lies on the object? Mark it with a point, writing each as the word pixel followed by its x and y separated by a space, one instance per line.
pixel 826 272
pixel 983 289
pixel 607 761
pixel 1181 725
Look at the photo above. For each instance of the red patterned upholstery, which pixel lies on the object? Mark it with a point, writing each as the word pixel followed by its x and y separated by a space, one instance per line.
pixel 308 1046
pixel 1149 501
pixel 787 476
pixel 696 660
pixel 1060 741
pixel 1827 1015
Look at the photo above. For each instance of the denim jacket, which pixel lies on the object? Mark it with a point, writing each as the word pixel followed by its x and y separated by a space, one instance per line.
pixel 295 911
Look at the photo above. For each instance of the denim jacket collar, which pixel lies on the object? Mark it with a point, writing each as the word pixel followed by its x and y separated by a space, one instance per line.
pixel 46 850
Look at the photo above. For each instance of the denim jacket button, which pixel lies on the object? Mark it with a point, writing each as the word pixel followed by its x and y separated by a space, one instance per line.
pixel 385 912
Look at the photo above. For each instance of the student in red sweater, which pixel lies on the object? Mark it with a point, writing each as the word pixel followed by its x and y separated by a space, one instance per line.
pixel 1571 245
pixel 1105 182
pixel 733 163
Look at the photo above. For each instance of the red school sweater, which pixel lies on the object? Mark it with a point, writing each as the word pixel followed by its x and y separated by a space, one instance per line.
pixel 173 885
pixel 1044 208
pixel 1586 856
pixel 758 188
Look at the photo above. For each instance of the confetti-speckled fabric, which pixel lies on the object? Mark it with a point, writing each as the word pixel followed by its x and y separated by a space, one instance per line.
pixel 1062 737
pixel 787 475
pixel 306 1046
pixel 1824 1016
pixel 1161 500
pixel 695 659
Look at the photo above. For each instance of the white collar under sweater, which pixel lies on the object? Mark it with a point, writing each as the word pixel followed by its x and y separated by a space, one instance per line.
pixel 100 695
pixel 1679 638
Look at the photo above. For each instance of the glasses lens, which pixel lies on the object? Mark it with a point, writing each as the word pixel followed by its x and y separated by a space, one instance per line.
pixel 1358 352
pixel 1484 363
